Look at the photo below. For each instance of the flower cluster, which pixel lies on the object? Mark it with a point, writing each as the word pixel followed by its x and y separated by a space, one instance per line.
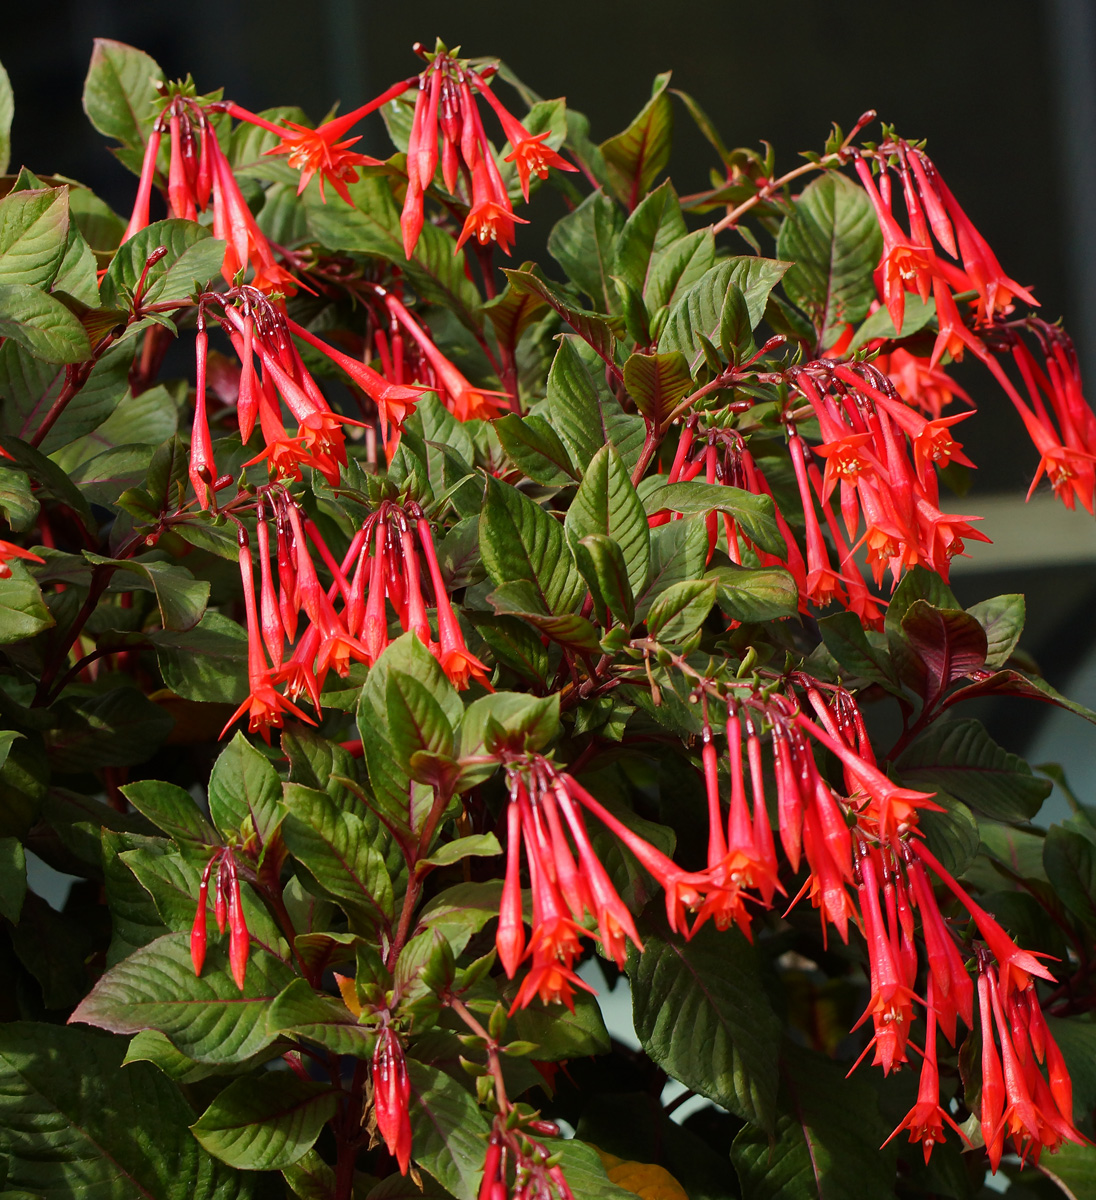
pixel 867 864
pixel 228 909
pixel 917 260
pixel 536 1176
pixel 347 621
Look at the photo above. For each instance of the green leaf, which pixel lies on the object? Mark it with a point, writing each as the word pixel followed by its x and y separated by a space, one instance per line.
pixel 827 1139
pixel 478 845
pixel 573 407
pixel 13 878
pixel 755 593
pixel 121 727
pixel 31 386
pixel 137 425
pixel 513 311
pixel 681 609
pixel 606 503
pixel 584 243
pixel 417 724
pixel 1069 857
pixel 592 327
pixel 953 835
pixel 462 911
pixel 77 1123
pixel 322 1019
pixel 77 278
pixel 852 648
pixel 208 1018
pixel 657 382
pixel 120 92
pixel 654 226
pixel 512 719
pixel 601 561
pixel 637 155
pixel 535 449
pixel 701 1013
pixel 520 599
pixel 266 1122
pixel 513 645
pixel 1073 1169
pixel 17 502
pixel 678 552
pixel 448 1131
pixel 7 111
pixel 173 810
pixel 33 235
pixel 193 258
pixel 181 598
pixel 879 325
pixel 520 541
pixel 23 612
pixel 243 787
pixel 336 848
pixel 754 514
pixel 41 324
pixel 960 758
pixel 103 478
pixel 1003 620
pixel 560 1035
pixel 834 241
pixel 207 663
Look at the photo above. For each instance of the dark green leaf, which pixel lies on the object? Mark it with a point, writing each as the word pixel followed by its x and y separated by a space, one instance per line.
pixel 678 552
pixel 949 644
pixel 243 787
pixel 606 503
pixel 181 598
pixel 207 663
pixel 265 1122
pixel 477 845
pixel 701 1013
pixel 513 311
pixel 960 758
pixel 754 514
pixel 590 326
pixel 322 1019
pixel 173 810
pixel 755 593
pixel 681 609
pixel 535 449
pixel 601 561
pixel 23 612
pixel 416 723
pixel 584 243
pixel 116 728
pixel 33 236
pixel 13 878
pixel 336 848
pixel 1003 620
pixel 834 241
pixel 952 835
pixel 448 1131
pixel 1069 857
pixel 520 541
pixel 825 1148
pixel 7 111
pixel 208 1018
pixel 193 258
pixel 520 598
pixel 879 325
pixel 72 1113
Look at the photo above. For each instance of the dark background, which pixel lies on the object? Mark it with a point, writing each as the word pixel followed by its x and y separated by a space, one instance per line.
pixel 1005 93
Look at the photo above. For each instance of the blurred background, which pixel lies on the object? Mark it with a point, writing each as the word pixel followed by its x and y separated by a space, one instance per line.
pixel 1004 94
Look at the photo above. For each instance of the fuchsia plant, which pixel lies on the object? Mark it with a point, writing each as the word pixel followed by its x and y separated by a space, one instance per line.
pixel 563 611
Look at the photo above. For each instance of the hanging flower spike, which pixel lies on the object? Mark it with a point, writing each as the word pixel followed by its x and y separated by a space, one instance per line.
pixel 263 705
pixel 392 1096
pixel 528 151
pixel 180 194
pixel 456 660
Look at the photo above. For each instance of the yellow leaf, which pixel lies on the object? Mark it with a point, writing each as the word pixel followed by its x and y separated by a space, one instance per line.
pixel 647 1180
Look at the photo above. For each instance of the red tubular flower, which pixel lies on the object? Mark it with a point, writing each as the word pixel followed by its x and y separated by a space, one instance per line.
pixel 270 616
pixel 392 1096
pixel 456 660
pixel 953 989
pixel 179 192
pixel 925 1120
pixel 528 152
pixel 823 583
pixel 490 217
pixel 139 218
pixel 463 400
pixel 239 940
pixel 202 468
pixel 510 937
pixel 263 705
pixel 198 936
pixel 375 623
